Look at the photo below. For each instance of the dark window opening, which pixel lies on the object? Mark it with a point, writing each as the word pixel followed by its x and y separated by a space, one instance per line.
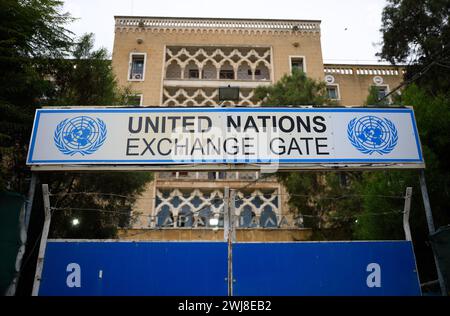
pixel 382 92
pixel 193 74
pixel 332 92
pixel 137 67
pixel 216 175
pixel 226 74
pixel 297 63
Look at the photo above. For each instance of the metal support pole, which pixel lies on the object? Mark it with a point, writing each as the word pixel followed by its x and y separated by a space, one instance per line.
pixel 230 266
pixel 426 201
pixel 233 218
pixel 431 230
pixel 406 212
pixel 24 220
pixel 43 244
pixel 226 219
pixel 227 234
pixel 231 240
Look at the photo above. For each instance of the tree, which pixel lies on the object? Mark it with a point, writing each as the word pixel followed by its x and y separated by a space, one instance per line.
pixel 87 78
pixel 34 46
pixel 325 200
pixel 31 32
pixel 381 218
pixel 418 32
pixel 101 201
pixel 294 89
pixel 310 192
pixel 432 115
pixel 32 35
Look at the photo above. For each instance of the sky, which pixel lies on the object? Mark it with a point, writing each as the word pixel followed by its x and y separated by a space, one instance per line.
pixel 349 29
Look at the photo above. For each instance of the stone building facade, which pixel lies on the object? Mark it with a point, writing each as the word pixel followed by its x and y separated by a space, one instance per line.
pixel 183 62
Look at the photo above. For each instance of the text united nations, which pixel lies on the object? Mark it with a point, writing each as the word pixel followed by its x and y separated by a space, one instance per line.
pixel 243 135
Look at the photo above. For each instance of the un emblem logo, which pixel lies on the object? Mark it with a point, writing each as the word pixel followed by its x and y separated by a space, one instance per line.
pixel 371 134
pixel 81 134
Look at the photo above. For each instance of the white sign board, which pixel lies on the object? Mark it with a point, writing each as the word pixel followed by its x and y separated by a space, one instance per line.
pixel 282 135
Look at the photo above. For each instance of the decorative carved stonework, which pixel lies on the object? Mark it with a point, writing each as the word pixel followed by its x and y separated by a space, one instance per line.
pixel 241 26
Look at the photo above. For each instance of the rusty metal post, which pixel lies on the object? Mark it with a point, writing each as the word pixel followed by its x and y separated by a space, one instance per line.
pixel 406 212
pixel 43 244
pixel 431 229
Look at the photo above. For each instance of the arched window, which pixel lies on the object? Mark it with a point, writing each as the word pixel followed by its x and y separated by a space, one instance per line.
pixel 191 71
pixel 205 214
pixel 185 217
pixel 244 72
pixel 173 71
pixel 226 71
pixel 246 219
pixel 262 72
pixel 268 217
pixel 209 71
pixel 164 217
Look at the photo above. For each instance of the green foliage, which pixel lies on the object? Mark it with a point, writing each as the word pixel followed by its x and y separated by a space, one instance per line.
pixel 433 122
pixel 432 115
pixel 419 32
pixel 34 28
pixel 36 71
pixel 295 89
pixel 32 33
pixel 310 190
pixel 100 201
pixel 326 200
pixel 382 203
pixel 87 79
pixel 372 98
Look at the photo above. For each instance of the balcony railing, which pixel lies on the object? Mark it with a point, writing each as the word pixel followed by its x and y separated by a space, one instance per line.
pixel 364 70
pixel 212 23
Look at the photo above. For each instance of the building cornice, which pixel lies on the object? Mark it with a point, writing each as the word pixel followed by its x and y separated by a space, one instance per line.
pixel 136 23
pixel 356 69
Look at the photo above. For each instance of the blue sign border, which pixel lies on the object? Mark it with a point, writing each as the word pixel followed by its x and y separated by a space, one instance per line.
pixel 30 159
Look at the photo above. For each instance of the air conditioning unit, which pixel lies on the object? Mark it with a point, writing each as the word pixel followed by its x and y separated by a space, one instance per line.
pixel 137 76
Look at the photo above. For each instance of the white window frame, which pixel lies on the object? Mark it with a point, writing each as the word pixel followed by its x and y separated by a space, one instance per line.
pixel 338 91
pixel 130 62
pixel 297 57
pixel 387 90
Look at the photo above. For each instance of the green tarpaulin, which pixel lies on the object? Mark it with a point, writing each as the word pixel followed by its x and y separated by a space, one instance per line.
pixel 10 207
pixel 440 241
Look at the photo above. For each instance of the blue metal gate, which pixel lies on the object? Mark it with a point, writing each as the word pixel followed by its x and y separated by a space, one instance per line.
pixel 325 268
pixel 201 268
pixel 134 268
